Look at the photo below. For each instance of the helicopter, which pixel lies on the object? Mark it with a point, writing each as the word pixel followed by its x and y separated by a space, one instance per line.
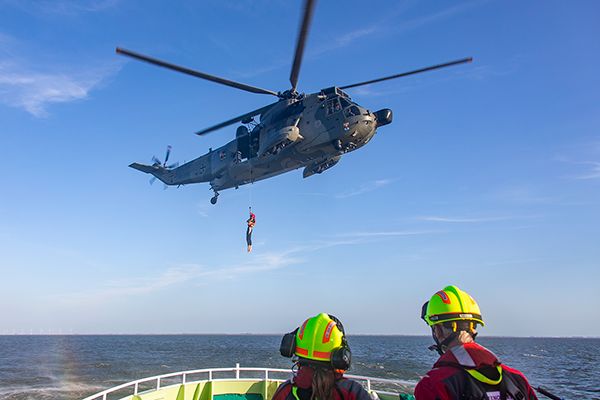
pixel 311 131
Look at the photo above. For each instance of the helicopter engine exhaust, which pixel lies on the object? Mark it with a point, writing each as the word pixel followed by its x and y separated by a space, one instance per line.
pixel 383 117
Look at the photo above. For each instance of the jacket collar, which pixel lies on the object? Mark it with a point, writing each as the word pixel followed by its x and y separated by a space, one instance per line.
pixel 468 355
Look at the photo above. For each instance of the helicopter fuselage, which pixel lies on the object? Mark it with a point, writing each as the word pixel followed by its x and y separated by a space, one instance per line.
pixel 311 131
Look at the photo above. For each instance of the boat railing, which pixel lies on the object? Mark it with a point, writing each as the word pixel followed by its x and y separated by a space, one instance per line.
pixel 267 374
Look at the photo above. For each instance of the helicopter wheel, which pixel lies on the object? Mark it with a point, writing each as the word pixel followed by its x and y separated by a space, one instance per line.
pixel 213 200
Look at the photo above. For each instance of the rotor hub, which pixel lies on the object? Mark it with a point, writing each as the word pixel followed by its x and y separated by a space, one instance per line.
pixel 288 94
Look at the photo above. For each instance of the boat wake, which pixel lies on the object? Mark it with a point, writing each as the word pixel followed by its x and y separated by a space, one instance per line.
pixel 67 390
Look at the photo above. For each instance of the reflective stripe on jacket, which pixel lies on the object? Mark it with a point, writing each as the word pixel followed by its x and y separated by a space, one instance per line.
pixel 471 371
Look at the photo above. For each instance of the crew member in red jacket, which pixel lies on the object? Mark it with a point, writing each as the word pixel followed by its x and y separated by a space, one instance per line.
pixel 251 222
pixel 322 355
pixel 465 369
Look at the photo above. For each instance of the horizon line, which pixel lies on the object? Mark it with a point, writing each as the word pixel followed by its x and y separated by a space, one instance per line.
pixel 280 334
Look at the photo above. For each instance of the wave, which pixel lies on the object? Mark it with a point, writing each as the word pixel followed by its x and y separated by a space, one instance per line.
pixel 533 355
pixel 65 390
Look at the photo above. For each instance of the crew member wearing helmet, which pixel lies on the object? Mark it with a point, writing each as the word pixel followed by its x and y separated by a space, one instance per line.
pixel 465 369
pixel 322 355
pixel 251 222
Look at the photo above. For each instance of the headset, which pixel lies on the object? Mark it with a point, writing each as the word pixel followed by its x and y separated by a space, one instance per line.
pixel 341 357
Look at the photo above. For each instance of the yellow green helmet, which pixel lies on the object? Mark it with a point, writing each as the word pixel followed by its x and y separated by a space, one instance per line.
pixel 451 304
pixel 318 337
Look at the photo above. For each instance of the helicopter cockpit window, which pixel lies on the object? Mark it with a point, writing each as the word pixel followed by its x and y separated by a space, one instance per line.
pixel 352 111
pixel 345 103
pixel 333 106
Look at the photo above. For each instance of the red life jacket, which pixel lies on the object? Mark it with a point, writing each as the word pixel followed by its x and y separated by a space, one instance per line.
pixel 472 372
pixel 300 387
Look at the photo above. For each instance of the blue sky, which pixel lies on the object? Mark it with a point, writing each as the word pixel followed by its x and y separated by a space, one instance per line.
pixel 488 178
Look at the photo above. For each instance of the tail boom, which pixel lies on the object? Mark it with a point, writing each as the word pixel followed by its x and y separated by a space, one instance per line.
pixel 164 175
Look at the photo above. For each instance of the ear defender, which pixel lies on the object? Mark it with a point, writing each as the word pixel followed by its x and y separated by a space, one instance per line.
pixel 287 348
pixel 341 358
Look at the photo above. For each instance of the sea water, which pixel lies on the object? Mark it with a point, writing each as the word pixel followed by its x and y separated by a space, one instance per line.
pixel 72 367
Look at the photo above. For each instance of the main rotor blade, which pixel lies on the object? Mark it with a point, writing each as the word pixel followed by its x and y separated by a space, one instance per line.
pixel 167 155
pixel 195 73
pixel 309 6
pixel 417 71
pixel 234 120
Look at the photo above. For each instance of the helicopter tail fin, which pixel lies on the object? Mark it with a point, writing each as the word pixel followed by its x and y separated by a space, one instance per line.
pixel 163 174
pixel 144 168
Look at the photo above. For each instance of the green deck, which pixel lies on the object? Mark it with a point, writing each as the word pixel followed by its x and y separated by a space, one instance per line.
pixel 242 389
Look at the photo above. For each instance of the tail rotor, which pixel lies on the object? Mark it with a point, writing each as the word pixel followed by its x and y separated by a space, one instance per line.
pixel 156 163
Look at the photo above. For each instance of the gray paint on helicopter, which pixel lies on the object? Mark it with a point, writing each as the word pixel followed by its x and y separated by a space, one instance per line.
pixel 309 131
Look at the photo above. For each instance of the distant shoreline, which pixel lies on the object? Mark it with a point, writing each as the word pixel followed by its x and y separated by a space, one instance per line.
pixel 279 334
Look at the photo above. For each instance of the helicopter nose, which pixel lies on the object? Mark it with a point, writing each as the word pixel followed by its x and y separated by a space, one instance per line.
pixel 362 128
pixel 383 117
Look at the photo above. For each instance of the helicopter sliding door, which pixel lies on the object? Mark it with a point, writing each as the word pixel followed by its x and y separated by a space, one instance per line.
pixel 247 142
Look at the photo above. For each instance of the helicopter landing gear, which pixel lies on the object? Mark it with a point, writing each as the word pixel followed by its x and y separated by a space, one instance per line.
pixel 213 200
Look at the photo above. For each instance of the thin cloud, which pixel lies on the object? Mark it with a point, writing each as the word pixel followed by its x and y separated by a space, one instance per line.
pixel 33 90
pixel 486 71
pixel 386 26
pixel 62 7
pixel 368 187
pixel 202 275
pixel 593 171
pixel 116 290
pixel 170 277
pixel 421 21
pixel 523 194
pixel 512 262
pixel 389 25
pixel 204 209
pixel 342 41
pixel 179 275
pixel 247 7
pixel 434 218
pixel 384 234
pixel 281 62
pixel 368 91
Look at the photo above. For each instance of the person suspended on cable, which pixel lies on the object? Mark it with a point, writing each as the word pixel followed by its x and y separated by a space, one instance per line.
pixel 250 221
